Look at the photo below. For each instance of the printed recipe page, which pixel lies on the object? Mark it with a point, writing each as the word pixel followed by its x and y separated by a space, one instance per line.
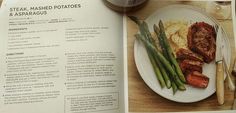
pixel 61 57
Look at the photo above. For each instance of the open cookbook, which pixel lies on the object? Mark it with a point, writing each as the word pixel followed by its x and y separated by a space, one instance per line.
pixel 79 56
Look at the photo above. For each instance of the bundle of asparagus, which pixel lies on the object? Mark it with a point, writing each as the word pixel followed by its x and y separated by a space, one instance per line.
pixel 163 60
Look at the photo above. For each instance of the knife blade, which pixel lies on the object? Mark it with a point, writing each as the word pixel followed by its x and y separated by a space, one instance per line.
pixel 219 68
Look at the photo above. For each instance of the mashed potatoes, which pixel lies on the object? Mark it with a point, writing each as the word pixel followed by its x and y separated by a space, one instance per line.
pixel 176 32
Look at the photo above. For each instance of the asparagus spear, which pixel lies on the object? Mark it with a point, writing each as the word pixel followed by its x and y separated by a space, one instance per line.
pixel 144 26
pixel 155 67
pixel 163 60
pixel 157 31
pixel 164 73
pixel 152 41
pixel 170 53
pixel 174 87
pixel 157 70
pixel 145 32
pixel 164 51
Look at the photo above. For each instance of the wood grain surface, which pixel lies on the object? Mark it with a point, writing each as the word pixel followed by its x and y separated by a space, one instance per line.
pixel 141 97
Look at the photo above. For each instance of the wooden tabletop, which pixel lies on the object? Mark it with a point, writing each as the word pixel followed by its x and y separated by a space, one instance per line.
pixel 141 97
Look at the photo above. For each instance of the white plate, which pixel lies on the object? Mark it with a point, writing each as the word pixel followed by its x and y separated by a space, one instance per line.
pixel 191 14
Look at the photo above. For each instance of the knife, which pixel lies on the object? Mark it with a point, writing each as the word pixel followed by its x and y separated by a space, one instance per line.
pixel 219 68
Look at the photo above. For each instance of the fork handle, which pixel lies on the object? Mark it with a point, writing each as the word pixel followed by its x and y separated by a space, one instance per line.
pixel 229 79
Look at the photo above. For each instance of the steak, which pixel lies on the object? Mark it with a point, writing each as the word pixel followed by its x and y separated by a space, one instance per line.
pixel 183 54
pixel 197 79
pixel 190 66
pixel 202 40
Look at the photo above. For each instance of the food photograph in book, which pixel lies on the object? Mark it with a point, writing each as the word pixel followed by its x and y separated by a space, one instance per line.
pixel 180 56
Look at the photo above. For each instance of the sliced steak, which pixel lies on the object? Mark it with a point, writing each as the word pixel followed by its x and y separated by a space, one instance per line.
pixel 190 66
pixel 197 79
pixel 183 54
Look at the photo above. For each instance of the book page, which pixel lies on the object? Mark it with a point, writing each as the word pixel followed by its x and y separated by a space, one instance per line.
pixel 61 56
pixel 172 66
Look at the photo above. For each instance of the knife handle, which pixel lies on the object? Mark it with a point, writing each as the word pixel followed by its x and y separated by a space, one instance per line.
pixel 220 82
